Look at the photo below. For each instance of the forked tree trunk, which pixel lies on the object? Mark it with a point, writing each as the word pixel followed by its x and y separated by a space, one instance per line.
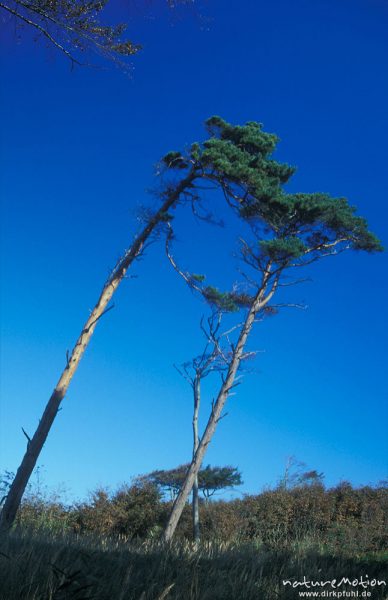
pixel 35 444
pixel 259 302
pixel 195 507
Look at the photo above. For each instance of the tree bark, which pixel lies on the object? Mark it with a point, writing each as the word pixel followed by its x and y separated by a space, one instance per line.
pixel 197 400
pixel 259 302
pixel 35 444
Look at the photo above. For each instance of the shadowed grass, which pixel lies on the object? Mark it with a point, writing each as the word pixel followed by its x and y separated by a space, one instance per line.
pixel 43 566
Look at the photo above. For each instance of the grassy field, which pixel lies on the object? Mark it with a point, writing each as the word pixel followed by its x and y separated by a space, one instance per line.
pixel 44 566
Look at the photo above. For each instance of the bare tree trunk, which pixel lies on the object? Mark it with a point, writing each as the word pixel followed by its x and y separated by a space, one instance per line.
pixel 35 444
pixel 259 302
pixel 197 401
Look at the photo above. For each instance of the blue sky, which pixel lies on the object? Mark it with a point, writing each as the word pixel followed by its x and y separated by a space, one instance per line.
pixel 78 149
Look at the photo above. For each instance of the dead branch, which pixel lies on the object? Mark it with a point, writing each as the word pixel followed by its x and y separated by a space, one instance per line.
pixel 27 436
pixel 290 305
pixel 185 276
pixel 98 318
pixel 42 30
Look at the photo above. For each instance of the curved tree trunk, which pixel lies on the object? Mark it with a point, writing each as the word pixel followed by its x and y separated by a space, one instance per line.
pixel 35 444
pixel 259 302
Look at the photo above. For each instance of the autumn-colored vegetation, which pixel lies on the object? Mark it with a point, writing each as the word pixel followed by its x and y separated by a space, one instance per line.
pixel 342 519
pixel 109 547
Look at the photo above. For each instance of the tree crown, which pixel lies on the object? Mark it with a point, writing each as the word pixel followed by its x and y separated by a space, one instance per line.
pixel 288 227
pixel 210 479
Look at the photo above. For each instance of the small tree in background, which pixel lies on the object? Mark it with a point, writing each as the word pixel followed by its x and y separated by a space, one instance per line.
pixel 216 479
pixel 209 481
pixel 288 231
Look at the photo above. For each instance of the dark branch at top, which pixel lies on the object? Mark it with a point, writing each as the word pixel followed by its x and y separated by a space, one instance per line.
pixel 75 27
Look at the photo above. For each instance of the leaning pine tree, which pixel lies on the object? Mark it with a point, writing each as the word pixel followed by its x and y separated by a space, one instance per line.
pixel 211 161
pixel 289 231
pixel 36 442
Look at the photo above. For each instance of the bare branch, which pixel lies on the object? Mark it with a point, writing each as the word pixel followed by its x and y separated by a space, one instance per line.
pixel 207 216
pixel 42 31
pixel 249 279
pixel 27 436
pixel 290 305
pixel 98 318
pixel 295 282
pixel 222 417
pixel 184 374
pixel 185 276
pixel 305 263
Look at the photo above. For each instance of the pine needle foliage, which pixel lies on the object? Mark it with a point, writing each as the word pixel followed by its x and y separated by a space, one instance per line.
pixel 288 227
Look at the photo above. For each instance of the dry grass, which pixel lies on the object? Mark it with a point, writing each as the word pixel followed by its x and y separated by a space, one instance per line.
pixel 44 566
